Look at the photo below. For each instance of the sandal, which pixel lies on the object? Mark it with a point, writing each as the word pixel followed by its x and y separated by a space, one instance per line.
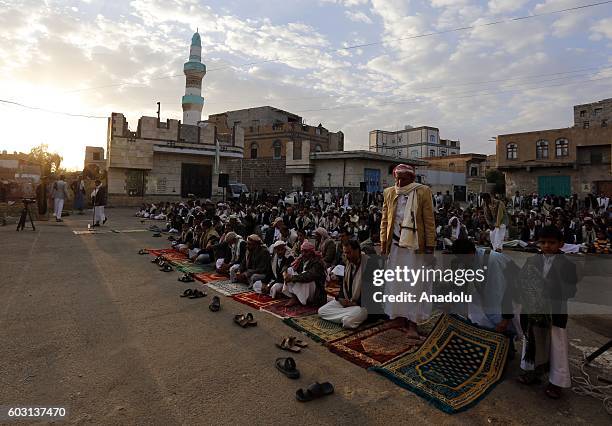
pixel 215 304
pixel 553 391
pixel 288 344
pixel 187 278
pixel 156 260
pixel 196 294
pixel 187 293
pixel 529 378
pixel 245 320
pixel 314 391
pixel 167 268
pixel 297 342
pixel 143 251
pixel 287 367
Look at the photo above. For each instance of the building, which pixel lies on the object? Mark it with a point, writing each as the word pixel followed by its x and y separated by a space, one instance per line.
pixel 194 71
pixel 560 161
pixel 168 160
pixel 412 142
pixel 472 166
pixel 94 160
pixel 596 114
pixel 344 171
pixel 277 148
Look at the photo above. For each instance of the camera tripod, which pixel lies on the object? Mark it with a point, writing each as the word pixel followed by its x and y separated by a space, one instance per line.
pixel 25 213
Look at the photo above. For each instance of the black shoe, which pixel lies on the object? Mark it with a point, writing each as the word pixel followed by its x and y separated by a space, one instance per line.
pixel 104 221
pixel 96 224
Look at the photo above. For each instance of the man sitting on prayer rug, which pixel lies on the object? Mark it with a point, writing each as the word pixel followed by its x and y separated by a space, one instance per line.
pixel 230 252
pixel 408 238
pixel 255 265
pixel 346 308
pixel 281 261
pixel 305 279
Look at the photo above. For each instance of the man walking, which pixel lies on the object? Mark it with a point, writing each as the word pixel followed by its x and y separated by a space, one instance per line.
pixel 60 194
pixel 98 197
pixel 407 229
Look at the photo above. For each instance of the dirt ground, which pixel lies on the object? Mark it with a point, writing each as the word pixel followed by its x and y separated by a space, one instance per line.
pixel 87 324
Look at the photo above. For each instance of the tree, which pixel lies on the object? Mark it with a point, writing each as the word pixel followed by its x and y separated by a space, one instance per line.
pixel 499 179
pixel 49 161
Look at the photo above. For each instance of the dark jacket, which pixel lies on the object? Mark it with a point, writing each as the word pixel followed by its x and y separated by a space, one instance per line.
pixel 525 233
pixel 312 270
pixel 283 263
pixel 258 262
pixel 100 197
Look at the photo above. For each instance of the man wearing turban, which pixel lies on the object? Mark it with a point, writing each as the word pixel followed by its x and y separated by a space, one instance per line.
pixel 407 229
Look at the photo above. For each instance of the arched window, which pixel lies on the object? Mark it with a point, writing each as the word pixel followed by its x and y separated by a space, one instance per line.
pixel 414 153
pixel 442 153
pixel 432 152
pixel 254 148
pixel 541 149
pixel 432 138
pixel 562 148
pixel 512 151
pixel 277 149
pixel 318 148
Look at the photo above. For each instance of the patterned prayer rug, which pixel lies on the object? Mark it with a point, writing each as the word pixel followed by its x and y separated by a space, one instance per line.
pixel 159 252
pixel 320 330
pixel 455 367
pixel 376 345
pixel 255 300
pixel 280 310
pixel 211 276
pixel 193 268
pixel 227 287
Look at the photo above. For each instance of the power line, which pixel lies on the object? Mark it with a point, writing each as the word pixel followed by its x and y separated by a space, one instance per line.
pixel 359 46
pixel 49 110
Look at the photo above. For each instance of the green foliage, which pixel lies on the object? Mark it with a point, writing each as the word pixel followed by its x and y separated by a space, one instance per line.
pixel 49 161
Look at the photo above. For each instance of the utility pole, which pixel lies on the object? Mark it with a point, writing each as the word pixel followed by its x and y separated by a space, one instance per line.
pixel 158 111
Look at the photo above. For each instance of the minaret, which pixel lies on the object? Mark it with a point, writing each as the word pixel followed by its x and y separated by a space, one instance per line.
pixel 194 71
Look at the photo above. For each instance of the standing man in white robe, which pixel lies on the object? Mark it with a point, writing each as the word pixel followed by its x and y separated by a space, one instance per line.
pixel 60 195
pixel 99 201
pixel 408 229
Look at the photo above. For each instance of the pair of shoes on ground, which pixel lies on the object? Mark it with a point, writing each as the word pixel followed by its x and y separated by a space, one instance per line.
pixel 245 320
pixel 193 294
pixel 165 267
pixel 187 278
pixel 292 344
pixel 317 390
pixel 530 378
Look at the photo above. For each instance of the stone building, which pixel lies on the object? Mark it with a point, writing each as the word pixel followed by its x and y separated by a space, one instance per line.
pixel 471 165
pixel 412 142
pixel 595 114
pixel 277 143
pixel 166 160
pixel 94 160
pixel 560 161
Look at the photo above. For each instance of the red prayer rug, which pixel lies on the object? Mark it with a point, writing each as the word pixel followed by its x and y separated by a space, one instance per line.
pixel 159 252
pixel 377 345
pixel 281 310
pixel 207 277
pixel 255 300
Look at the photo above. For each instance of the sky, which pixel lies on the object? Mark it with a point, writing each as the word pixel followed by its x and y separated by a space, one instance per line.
pixel 352 65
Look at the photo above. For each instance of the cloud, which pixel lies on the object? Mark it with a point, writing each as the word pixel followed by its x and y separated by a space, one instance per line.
pixel 357 16
pixel 506 6
pixel 602 28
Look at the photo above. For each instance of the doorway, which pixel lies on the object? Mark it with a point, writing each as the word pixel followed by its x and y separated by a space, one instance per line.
pixel 196 179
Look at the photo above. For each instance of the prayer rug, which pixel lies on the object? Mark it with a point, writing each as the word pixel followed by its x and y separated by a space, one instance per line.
pixel 280 310
pixel 159 252
pixel 255 300
pixel 455 367
pixel 192 268
pixel 376 345
pixel 211 276
pixel 322 331
pixel 227 287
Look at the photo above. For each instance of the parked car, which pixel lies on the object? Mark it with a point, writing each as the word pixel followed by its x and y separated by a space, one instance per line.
pixel 291 198
pixel 235 190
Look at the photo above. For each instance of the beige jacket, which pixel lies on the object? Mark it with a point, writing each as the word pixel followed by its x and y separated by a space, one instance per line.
pixel 426 224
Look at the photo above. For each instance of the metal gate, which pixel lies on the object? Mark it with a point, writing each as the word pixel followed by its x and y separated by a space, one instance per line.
pixel 372 180
pixel 554 185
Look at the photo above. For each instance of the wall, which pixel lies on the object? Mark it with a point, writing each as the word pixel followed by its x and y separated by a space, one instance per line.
pixel 260 174
pixel 132 155
pixel 354 173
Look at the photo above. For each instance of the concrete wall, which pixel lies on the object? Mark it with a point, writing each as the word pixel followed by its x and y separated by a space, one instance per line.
pixel 259 174
pixel 353 170
pixel 130 155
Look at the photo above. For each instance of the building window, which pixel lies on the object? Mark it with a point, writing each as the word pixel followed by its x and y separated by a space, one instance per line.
pixel 604 122
pixel 512 151
pixel 541 149
pixel 277 149
pixel 96 156
pixel 561 148
pixel 318 148
pixel 597 111
pixel 415 153
pixel 432 138
pixel 432 152
pixel 442 153
pixel 135 183
pixel 474 171
pixel 585 125
pixel 582 113
pixel 254 148
pixel 297 150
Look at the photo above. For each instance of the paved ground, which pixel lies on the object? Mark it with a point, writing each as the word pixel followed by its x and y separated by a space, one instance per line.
pixel 88 324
